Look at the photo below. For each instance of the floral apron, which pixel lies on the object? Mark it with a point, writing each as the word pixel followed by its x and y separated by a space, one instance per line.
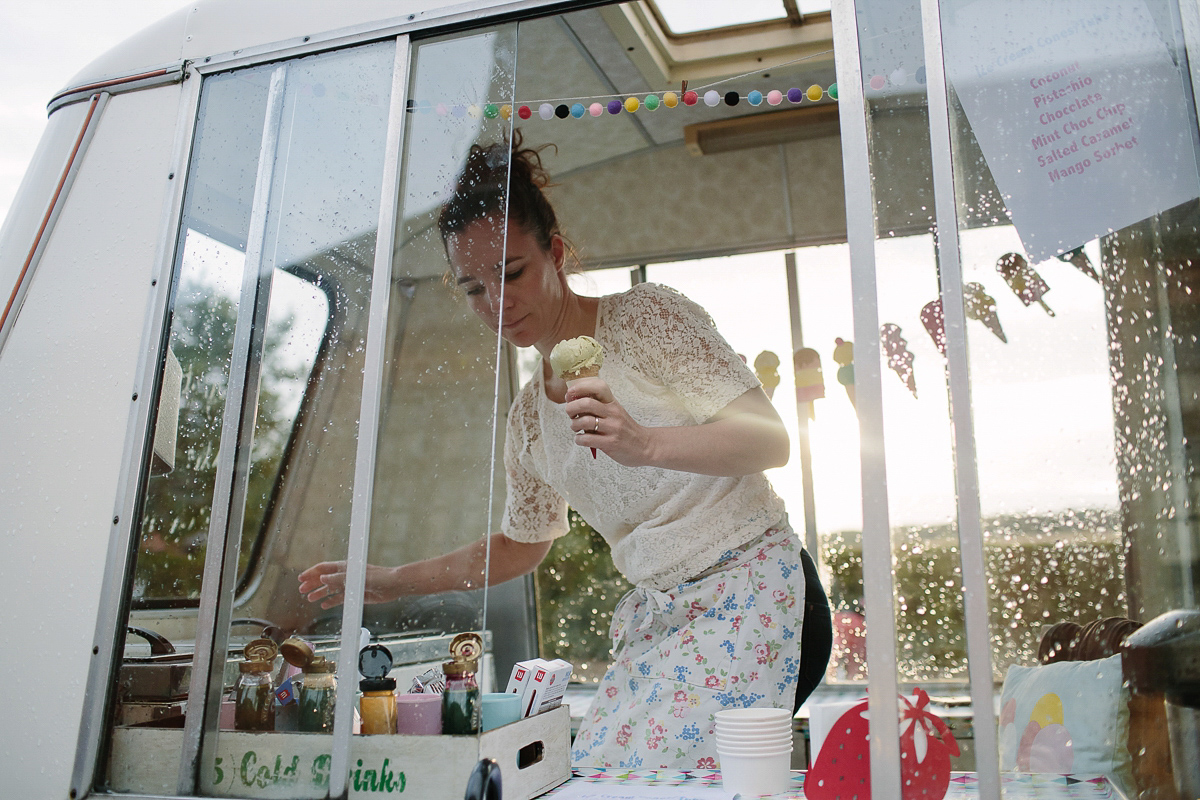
pixel 729 638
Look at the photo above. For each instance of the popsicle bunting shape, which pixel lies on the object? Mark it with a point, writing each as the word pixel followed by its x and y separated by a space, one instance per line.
pixel 982 306
pixel 1080 261
pixel 934 321
pixel 766 369
pixel 899 357
pixel 810 382
pixel 843 356
pixel 1026 284
pixel 843 767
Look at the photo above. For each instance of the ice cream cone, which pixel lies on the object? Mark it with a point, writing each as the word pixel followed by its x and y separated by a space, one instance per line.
pixel 585 372
pixel 578 358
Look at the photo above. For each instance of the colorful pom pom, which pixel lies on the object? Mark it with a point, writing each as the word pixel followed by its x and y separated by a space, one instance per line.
pixel 755 98
pixel 595 109
pixel 832 90
pixel 774 97
pixel 561 111
pixel 506 111
pixel 878 82
pixel 920 75
pixel 670 99
pixel 632 104
pixel 794 95
pixel 524 113
pixel 815 93
pixel 545 111
pixel 459 110
pixel 614 106
pixel 578 110
pixel 690 98
pixel 651 102
pixel 491 111
pixel 474 111
pixel 711 98
pixel 732 98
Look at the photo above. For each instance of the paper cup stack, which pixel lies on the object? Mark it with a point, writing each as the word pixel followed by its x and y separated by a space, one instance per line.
pixel 755 748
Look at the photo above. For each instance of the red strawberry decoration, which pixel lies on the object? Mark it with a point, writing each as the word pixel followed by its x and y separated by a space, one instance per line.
pixel 843 768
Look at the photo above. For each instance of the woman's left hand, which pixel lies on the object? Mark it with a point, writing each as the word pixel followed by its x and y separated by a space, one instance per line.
pixel 601 422
pixel 745 437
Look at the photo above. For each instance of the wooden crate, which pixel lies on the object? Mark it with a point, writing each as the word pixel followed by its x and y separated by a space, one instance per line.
pixel 534 756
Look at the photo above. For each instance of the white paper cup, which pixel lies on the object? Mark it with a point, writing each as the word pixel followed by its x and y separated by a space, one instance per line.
pixel 755 716
pixel 773 750
pixel 751 775
pixel 764 730
pixel 782 732
pixel 758 741
pixel 760 727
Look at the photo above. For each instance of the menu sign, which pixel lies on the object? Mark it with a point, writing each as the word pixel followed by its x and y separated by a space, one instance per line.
pixel 1079 110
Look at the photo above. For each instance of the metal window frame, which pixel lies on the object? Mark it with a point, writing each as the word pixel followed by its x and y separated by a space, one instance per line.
pixel 114 602
pixel 421 24
pixel 370 408
pixel 876 531
pixel 962 418
pixel 233 463
pixel 212 626
pixel 113 606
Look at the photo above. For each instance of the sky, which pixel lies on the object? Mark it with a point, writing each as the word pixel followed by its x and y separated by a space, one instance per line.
pixel 42 46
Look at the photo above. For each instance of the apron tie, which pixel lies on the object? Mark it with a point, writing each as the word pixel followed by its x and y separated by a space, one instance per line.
pixel 651 602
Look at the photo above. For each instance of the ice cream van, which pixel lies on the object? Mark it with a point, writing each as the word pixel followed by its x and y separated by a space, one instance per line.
pixel 956 241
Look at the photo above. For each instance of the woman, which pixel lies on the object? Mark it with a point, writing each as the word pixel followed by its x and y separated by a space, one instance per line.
pixel 685 432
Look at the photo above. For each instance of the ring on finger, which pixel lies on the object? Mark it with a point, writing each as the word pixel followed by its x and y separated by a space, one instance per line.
pixel 596 429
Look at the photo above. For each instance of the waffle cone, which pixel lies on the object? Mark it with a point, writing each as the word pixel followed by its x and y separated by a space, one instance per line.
pixel 586 372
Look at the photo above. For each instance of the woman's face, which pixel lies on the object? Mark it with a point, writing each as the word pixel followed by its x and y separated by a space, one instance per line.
pixel 534 288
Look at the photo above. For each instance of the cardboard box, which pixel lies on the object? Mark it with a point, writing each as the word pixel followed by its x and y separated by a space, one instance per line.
pixel 547 687
pixel 534 756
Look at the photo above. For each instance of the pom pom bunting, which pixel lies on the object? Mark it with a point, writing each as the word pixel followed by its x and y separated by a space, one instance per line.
pixel 580 107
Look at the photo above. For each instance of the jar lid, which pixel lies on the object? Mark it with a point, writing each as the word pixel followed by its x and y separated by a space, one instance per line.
pixel 466 647
pixel 255 667
pixel 296 651
pixel 261 650
pixel 457 669
pixel 377 685
pixel 319 664
pixel 375 661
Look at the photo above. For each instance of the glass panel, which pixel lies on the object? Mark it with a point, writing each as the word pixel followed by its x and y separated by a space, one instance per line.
pixel 321 220
pixel 435 493
pixel 919 455
pixel 1075 160
pixel 176 509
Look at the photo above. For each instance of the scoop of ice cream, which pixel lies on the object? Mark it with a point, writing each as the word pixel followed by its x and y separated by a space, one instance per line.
pixel 571 357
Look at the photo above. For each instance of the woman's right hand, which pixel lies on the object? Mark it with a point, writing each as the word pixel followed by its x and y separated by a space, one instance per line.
pixel 326 583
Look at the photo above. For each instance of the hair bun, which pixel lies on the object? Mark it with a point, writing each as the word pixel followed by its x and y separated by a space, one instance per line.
pixel 500 177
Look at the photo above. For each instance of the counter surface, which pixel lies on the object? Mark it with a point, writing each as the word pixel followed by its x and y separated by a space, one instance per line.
pixel 1016 786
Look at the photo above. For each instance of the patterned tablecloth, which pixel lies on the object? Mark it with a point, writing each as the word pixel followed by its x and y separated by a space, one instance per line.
pixel 1015 786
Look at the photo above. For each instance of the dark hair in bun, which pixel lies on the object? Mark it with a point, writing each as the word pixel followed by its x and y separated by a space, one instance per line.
pixel 484 181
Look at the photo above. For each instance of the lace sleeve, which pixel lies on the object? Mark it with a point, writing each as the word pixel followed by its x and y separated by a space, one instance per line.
pixel 678 344
pixel 533 512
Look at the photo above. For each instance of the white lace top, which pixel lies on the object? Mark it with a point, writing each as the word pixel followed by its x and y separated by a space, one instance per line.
pixel 667 365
